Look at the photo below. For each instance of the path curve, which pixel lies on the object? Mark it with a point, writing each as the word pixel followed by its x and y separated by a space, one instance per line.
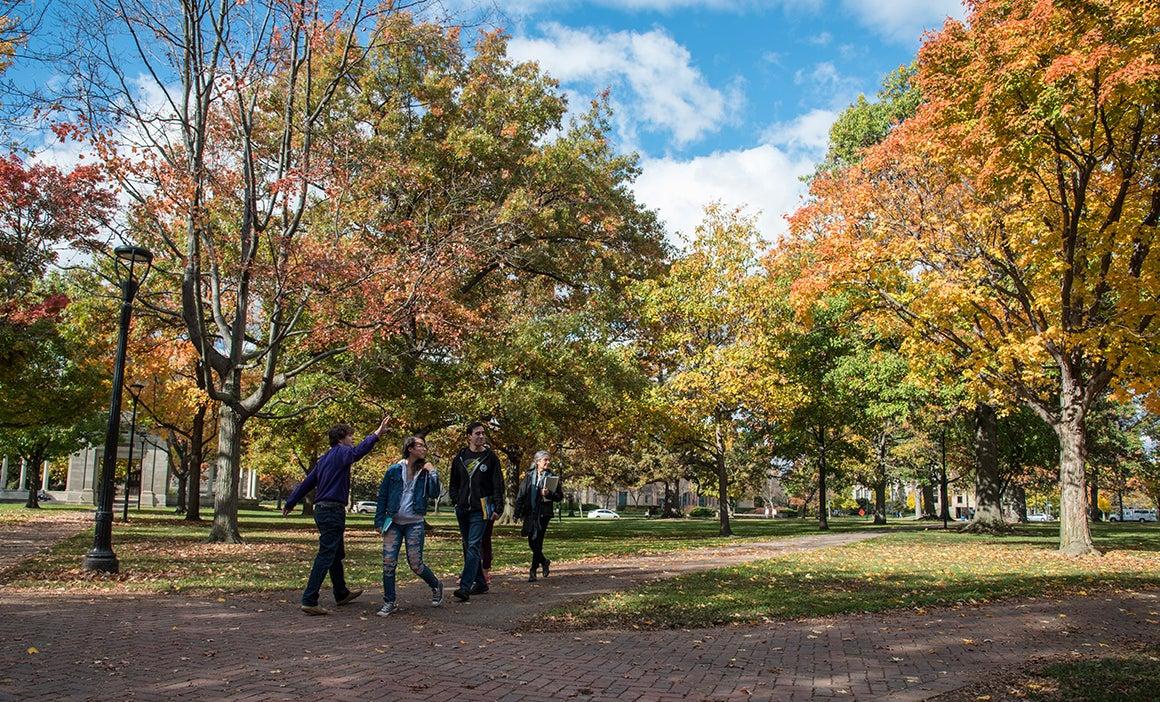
pixel 513 601
pixel 38 531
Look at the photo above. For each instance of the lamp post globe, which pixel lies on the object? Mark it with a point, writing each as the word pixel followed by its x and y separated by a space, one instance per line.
pixel 132 265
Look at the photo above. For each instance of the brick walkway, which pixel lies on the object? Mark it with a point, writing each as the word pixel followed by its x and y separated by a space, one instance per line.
pixel 23 537
pixel 259 647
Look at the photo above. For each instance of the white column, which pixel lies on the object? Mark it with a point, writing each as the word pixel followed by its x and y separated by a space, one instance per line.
pixel 44 477
pixel 153 478
pixel 23 477
pixel 4 474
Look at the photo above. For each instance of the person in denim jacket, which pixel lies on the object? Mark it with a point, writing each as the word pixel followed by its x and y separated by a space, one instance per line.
pixel 399 511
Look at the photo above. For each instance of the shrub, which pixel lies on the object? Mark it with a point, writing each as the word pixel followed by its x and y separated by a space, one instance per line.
pixel 702 512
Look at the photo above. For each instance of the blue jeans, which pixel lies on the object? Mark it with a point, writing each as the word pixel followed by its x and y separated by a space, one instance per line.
pixel 393 538
pixel 471 525
pixel 331 520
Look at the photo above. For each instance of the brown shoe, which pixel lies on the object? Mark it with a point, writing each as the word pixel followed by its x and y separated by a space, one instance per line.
pixel 350 597
pixel 315 610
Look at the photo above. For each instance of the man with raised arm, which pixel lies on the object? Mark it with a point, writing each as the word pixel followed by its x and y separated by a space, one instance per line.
pixel 330 477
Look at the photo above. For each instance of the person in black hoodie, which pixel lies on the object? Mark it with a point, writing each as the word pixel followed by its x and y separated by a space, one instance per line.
pixel 534 507
pixel 478 491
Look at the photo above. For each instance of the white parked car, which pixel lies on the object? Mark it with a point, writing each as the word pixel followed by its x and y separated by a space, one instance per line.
pixel 1039 517
pixel 1134 515
pixel 603 514
pixel 365 507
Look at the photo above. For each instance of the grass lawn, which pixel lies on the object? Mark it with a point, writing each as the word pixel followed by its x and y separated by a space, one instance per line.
pixel 160 552
pixel 904 569
pixel 15 512
pixel 1130 674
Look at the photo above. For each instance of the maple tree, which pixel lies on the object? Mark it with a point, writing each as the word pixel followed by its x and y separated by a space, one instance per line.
pixel 174 404
pixel 43 209
pixel 699 317
pixel 1010 222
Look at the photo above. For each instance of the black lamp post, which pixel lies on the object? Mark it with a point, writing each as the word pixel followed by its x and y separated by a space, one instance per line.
pixel 135 391
pixel 132 265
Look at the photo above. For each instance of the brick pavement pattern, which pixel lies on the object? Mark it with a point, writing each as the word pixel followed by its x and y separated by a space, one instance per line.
pixel 65 646
pixel 262 648
pixel 24 537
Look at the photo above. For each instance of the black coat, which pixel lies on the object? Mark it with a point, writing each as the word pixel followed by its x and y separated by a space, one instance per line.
pixel 533 508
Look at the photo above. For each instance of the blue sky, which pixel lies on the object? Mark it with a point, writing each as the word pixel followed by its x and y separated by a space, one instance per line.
pixel 725 100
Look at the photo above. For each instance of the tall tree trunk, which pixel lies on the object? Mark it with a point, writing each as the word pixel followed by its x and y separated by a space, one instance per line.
pixel 196 458
pixel 182 482
pixel 670 509
pixel 35 465
pixel 880 502
pixel 823 518
pixel 308 498
pixel 988 480
pixel 722 483
pixel 880 479
pixel 1094 499
pixel 179 457
pixel 225 500
pixel 1075 538
pixel 1020 493
pixel 928 502
pixel 511 482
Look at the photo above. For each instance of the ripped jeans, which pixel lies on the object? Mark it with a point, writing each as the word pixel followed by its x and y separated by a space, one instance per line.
pixel 393 538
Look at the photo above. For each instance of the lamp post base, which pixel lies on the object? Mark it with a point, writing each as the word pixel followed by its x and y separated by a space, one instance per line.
pixel 104 562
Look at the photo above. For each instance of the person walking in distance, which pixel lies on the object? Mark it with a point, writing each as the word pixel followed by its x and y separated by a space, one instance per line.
pixel 330 477
pixel 478 491
pixel 538 491
pixel 399 511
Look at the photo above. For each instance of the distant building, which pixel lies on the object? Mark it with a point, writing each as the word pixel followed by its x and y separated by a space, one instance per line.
pixel 74 479
pixel 653 495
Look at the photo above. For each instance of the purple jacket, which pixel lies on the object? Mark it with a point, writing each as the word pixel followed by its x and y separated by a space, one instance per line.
pixel 331 474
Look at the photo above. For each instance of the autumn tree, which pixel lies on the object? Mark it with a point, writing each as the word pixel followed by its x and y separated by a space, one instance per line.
pixel 1010 221
pixel 700 318
pixel 240 178
pixel 174 403
pixel 55 403
pixel 50 373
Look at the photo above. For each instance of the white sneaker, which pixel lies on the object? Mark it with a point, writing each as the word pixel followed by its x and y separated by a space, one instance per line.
pixel 388 608
pixel 437 595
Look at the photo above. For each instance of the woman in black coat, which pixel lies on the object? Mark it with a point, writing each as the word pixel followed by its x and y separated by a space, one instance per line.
pixel 534 507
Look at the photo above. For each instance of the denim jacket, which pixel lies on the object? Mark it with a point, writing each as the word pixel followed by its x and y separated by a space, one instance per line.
pixel 391 491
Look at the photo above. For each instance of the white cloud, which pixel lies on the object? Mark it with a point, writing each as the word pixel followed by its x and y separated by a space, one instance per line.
pixel 822 39
pixel 764 179
pixel 904 20
pixel 824 82
pixel 667 92
pixel 805 133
